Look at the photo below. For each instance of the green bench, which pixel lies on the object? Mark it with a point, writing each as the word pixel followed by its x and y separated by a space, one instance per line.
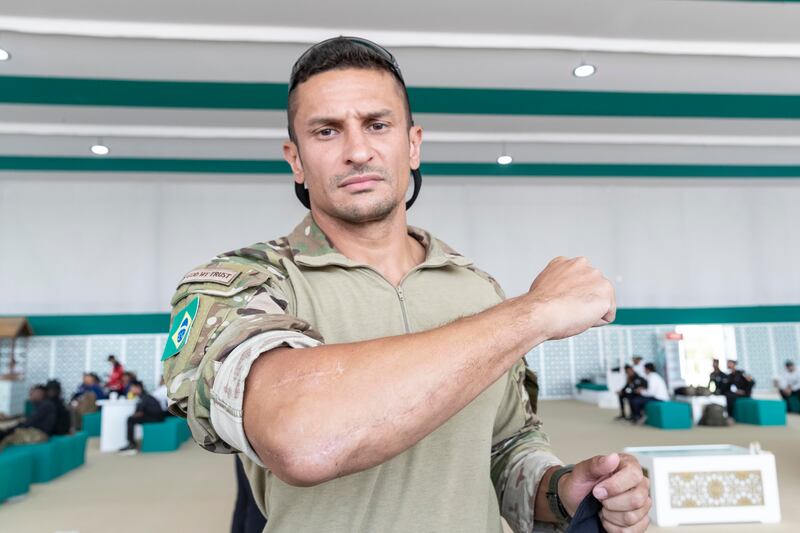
pixel 166 436
pixel 91 423
pixel 591 386
pixel 53 458
pixel 16 472
pixel 760 412
pixel 668 415
pixel 794 404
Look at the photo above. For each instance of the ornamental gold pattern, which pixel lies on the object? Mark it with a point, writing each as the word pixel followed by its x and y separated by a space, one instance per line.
pixel 741 488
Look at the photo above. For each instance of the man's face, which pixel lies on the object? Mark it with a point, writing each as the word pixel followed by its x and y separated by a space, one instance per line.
pixel 36 395
pixel 790 368
pixel 731 365
pixel 88 380
pixel 715 364
pixel 629 371
pixel 354 147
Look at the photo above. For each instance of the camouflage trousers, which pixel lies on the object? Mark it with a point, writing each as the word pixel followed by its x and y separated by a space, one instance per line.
pixel 23 436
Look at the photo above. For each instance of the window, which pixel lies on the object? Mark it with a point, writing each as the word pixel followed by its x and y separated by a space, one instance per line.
pixel 702 344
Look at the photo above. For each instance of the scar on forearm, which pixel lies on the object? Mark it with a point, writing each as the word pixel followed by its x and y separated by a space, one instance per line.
pixel 311 377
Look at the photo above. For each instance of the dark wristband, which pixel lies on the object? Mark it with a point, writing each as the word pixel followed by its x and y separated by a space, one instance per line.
pixel 553 499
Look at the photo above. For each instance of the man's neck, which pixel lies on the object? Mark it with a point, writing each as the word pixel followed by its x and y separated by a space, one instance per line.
pixel 384 245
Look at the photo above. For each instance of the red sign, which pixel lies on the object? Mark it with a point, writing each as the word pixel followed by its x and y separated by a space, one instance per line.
pixel 674 336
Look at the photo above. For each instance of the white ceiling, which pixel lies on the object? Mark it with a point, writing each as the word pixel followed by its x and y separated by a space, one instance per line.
pixel 684 46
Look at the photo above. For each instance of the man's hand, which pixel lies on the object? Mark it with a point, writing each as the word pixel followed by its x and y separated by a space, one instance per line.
pixel 572 296
pixel 618 482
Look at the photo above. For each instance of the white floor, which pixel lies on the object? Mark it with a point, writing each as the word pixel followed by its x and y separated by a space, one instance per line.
pixel 193 491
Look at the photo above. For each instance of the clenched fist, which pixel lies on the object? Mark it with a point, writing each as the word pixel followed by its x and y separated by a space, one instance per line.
pixel 570 296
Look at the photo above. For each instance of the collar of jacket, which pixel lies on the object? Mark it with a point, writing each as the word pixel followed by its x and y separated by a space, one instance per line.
pixel 311 248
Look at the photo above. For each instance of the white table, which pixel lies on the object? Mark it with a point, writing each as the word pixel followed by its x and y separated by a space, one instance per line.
pixel 711 484
pixel 114 423
pixel 699 403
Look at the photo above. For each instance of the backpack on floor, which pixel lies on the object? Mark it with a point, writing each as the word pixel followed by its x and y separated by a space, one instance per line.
pixel 713 415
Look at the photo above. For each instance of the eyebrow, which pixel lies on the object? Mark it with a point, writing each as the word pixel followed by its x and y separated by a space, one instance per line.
pixel 374 115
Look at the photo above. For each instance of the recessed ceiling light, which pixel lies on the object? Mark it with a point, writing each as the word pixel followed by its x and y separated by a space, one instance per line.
pixel 100 149
pixel 4 56
pixel 584 71
pixel 504 159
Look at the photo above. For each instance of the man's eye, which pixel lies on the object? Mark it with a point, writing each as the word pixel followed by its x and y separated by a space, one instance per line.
pixel 327 132
pixel 379 126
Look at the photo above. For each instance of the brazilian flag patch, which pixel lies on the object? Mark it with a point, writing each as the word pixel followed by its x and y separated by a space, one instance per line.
pixel 181 327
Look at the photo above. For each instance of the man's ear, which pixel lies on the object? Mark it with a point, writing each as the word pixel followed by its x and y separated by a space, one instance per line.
pixel 414 146
pixel 292 156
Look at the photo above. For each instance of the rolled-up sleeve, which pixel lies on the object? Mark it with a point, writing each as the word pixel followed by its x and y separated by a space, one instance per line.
pixel 232 326
pixel 521 455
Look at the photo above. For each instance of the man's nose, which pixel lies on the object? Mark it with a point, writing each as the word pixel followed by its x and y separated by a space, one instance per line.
pixel 358 150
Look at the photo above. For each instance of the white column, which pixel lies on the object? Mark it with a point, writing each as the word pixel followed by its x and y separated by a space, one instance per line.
pixel 772 354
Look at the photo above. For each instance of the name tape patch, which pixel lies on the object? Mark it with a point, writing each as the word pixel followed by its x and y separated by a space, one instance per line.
pixel 207 275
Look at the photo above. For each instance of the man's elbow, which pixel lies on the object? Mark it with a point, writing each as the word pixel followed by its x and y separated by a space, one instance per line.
pixel 299 466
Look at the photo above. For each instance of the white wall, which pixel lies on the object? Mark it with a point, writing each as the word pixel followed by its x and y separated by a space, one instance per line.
pixel 118 244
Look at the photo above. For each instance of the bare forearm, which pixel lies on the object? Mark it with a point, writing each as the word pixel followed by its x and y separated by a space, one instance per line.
pixel 347 407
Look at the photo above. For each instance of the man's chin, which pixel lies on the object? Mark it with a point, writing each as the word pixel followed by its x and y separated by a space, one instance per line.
pixel 361 212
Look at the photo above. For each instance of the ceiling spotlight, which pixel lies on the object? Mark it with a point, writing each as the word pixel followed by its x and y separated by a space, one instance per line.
pixel 4 56
pixel 100 149
pixel 584 71
pixel 505 159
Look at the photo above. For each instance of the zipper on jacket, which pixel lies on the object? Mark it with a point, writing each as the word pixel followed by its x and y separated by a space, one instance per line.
pixel 402 299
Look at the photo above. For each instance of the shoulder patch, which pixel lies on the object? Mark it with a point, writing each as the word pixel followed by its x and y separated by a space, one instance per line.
pixel 181 327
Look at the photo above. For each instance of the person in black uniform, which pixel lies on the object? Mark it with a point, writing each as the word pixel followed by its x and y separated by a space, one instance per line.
pixel 147 410
pixel 716 379
pixel 634 382
pixel 737 384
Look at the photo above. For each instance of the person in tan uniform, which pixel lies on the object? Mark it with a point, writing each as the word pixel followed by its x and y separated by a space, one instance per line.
pixel 371 377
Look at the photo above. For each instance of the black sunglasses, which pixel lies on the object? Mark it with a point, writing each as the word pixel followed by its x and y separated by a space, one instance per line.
pixel 382 52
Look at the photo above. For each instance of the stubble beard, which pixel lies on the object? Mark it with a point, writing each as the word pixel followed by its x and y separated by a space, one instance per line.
pixel 360 212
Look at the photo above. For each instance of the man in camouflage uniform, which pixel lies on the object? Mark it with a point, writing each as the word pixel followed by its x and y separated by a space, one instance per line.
pixel 370 376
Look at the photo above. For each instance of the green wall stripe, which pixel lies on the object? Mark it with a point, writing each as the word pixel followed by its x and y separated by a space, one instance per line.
pixel 254 166
pixel 272 96
pixel 159 322
pixel 99 324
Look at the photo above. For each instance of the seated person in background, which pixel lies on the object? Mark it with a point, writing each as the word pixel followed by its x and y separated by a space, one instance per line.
pixel 128 377
pixel 114 383
pixel 38 427
pixel 656 391
pixel 85 398
pixel 638 365
pixel 788 384
pixel 63 418
pixel 716 378
pixel 634 382
pixel 737 384
pixel 147 410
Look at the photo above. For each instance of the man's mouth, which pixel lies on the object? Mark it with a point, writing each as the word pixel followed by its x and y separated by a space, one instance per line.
pixel 361 182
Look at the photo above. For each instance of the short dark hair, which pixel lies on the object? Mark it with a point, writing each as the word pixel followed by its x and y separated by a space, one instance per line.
pixel 137 383
pixel 111 357
pixel 650 366
pixel 628 367
pixel 341 53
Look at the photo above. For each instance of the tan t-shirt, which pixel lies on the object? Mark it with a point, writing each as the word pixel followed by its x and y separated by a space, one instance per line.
pixel 300 291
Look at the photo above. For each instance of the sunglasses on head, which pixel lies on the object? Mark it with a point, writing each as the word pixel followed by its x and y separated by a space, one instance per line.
pixel 375 48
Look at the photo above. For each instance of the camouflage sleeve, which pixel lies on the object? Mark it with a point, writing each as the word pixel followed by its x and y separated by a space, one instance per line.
pixel 520 455
pixel 225 315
